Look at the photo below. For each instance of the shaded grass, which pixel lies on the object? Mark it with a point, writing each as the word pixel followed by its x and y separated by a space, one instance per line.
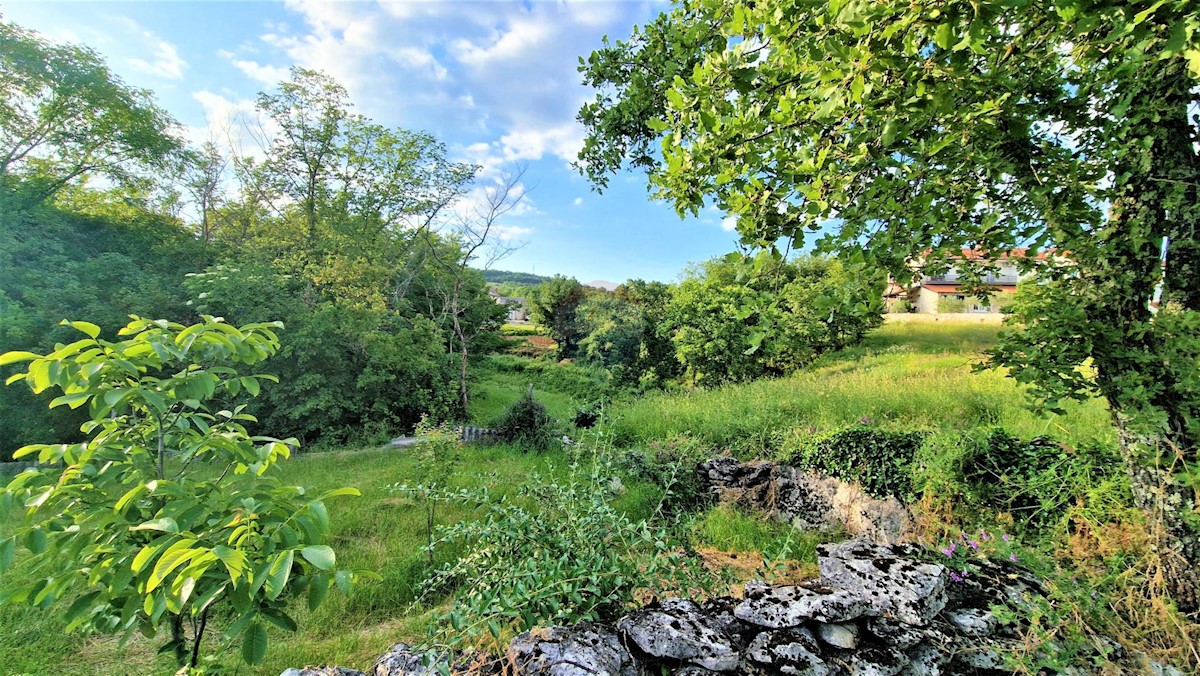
pixel 498 380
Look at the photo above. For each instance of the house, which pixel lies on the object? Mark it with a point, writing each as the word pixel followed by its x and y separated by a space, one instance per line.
pixel 518 311
pixel 946 292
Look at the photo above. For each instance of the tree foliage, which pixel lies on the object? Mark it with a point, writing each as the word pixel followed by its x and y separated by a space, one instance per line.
pixel 64 115
pixel 891 131
pixel 738 318
pixel 554 305
pixel 167 508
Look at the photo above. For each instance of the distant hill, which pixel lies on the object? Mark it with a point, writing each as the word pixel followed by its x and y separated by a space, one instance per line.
pixel 603 284
pixel 504 276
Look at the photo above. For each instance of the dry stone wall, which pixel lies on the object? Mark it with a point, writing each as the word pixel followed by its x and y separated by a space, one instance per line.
pixel 874 611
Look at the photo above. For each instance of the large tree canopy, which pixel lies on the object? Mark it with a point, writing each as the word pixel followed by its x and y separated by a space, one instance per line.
pixel 64 115
pixel 898 131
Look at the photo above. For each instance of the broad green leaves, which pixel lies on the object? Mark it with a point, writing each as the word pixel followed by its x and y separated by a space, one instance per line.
pixel 168 507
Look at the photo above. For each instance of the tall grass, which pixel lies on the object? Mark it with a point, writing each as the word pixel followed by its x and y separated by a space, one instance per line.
pixel 904 376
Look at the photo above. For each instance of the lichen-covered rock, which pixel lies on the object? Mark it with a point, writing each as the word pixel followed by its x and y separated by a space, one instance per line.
pixel 747 484
pixel 844 635
pixel 405 660
pixel 676 631
pixel 910 590
pixel 570 651
pixel 878 661
pixel 924 660
pixel 971 621
pixel 786 651
pixel 322 671
pixel 894 633
pixel 791 605
pixel 985 654
pixel 812 501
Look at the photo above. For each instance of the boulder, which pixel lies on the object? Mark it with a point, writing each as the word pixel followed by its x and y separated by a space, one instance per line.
pixel 896 585
pixel 878 661
pixel 971 621
pixel 405 660
pixel 924 660
pixel 675 632
pixel 570 651
pixel 894 633
pixel 786 651
pixel 813 501
pixel 844 636
pixel 792 605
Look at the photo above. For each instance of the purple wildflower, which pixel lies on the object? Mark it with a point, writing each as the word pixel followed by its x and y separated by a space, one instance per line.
pixel 949 551
pixel 955 576
pixel 1012 557
pixel 973 545
pixel 1005 536
pixel 983 535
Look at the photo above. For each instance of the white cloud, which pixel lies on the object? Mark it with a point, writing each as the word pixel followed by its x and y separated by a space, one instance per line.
pixel 264 74
pixel 153 55
pixel 578 202
pixel 729 223
pixel 508 233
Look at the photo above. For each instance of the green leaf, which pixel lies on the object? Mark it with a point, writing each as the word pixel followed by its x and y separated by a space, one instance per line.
pixel 88 328
pixel 14 357
pixel 279 619
pixel 165 524
pixel 254 643
pixel 252 386
pixel 35 541
pixel 277 575
pixel 321 556
pixel 345 581
pixel 72 400
pixel 318 589
pixel 943 37
pixel 340 491
pixel 8 548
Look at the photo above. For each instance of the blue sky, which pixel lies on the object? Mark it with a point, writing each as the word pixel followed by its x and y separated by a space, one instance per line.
pixel 495 80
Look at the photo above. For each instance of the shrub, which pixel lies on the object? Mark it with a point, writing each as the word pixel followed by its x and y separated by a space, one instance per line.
pixel 879 460
pixel 527 423
pixel 572 558
pixel 1035 480
pixel 587 416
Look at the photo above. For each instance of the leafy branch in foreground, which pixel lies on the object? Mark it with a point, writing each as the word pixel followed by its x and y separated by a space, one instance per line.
pixel 166 510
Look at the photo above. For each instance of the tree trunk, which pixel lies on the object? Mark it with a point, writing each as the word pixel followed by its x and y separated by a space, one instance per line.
pixel 1150 463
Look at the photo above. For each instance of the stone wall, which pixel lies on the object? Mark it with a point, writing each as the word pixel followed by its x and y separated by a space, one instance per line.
pixel 874 610
pixel 808 500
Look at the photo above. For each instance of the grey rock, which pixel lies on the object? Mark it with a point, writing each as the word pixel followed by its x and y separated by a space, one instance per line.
pixel 894 633
pixel 405 660
pixel 980 653
pixel 971 621
pixel 878 661
pixel 787 651
pixel 692 670
pixel 908 589
pixel 676 631
pixel 924 660
pixel 812 501
pixel 791 605
pixel 322 671
pixel 574 651
pixel 839 635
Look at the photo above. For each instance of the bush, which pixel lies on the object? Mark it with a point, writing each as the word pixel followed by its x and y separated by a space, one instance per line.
pixel 881 461
pixel 1036 480
pixel 527 423
pixel 574 558
pixel 587 416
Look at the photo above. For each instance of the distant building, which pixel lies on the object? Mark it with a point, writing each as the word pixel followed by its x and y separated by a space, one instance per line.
pixel 946 293
pixel 518 311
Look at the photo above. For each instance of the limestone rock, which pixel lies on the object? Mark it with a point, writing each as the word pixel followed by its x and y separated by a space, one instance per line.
pixel 894 633
pixel 322 671
pixel 405 660
pixel 971 621
pixel 815 501
pixel 843 636
pixel 676 631
pixel 924 660
pixel 980 653
pixel 878 661
pixel 791 605
pixel 570 651
pixel 910 590
pixel 787 651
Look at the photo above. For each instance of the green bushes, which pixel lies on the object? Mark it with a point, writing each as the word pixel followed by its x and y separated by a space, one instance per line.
pixel 879 460
pixel 571 557
pixel 527 424
pixel 1036 480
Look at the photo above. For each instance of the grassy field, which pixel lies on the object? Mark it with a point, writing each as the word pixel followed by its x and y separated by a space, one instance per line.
pixel 906 376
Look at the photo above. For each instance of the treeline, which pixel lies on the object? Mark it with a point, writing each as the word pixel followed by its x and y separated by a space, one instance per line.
pixel 347 231
pixel 730 319
pixel 517 278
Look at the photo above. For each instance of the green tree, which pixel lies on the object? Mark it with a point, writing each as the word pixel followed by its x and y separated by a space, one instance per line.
pixel 737 318
pixel 627 334
pixel 167 509
pixel 64 116
pixel 553 304
pixel 889 128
